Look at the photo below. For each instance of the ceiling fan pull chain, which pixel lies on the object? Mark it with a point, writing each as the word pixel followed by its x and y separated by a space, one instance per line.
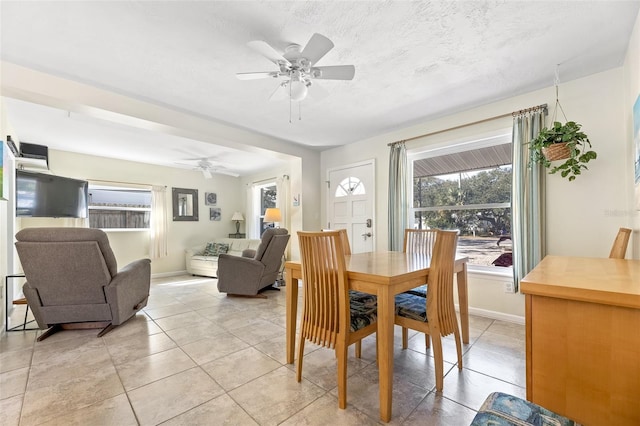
pixel 299 111
pixel 289 101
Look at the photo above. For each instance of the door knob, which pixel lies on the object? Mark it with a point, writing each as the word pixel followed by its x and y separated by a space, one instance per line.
pixel 364 236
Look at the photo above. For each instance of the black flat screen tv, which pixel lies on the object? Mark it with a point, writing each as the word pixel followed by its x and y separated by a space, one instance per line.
pixel 43 195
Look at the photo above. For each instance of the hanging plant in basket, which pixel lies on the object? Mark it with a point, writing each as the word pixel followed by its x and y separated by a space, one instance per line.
pixel 562 142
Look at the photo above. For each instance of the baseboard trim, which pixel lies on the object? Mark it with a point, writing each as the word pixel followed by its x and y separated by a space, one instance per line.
pixel 170 274
pixel 517 319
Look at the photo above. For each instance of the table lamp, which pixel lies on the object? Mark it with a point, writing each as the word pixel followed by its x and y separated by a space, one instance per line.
pixel 272 215
pixel 237 216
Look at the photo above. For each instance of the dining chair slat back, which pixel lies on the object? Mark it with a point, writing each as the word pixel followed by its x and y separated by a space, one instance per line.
pixel 440 283
pixel 435 315
pixel 619 248
pixel 328 317
pixel 419 241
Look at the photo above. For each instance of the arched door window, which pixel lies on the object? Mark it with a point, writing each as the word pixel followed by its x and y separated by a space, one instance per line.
pixel 350 186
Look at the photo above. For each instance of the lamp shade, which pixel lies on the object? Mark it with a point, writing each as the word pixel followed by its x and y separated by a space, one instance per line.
pixel 272 215
pixel 237 216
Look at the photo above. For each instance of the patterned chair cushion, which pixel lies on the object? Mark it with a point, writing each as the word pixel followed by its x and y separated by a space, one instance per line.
pixel 501 409
pixel 411 306
pixel 418 291
pixel 364 309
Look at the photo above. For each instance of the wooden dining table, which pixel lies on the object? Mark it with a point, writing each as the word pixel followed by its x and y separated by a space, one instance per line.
pixel 385 274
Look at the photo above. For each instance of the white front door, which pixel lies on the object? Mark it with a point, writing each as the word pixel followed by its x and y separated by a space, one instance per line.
pixel 350 203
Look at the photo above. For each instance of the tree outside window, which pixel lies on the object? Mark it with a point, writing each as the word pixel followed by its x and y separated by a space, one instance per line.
pixel 474 197
pixel 268 196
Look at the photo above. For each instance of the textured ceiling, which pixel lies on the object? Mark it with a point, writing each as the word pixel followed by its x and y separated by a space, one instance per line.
pixel 414 60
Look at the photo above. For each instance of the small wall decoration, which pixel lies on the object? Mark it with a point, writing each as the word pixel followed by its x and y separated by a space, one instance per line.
pixel 296 200
pixel 215 213
pixel 210 198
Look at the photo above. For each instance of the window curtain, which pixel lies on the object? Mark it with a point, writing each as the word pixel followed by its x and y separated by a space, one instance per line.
pixel 397 195
pixel 250 216
pixel 158 246
pixel 282 199
pixel 528 195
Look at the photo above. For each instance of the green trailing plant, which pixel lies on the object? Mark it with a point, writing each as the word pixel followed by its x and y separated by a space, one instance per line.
pixel 577 143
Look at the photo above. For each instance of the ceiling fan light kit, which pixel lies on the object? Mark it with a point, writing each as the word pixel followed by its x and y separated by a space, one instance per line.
pixel 296 66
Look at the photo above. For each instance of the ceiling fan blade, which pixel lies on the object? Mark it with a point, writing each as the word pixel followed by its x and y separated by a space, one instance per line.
pixel 224 172
pixel 256 75
pixel 317 47
pixel 267 51
pixel 336 72
pixel 207 174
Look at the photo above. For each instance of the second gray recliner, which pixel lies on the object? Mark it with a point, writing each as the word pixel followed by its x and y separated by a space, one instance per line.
pixel 247 276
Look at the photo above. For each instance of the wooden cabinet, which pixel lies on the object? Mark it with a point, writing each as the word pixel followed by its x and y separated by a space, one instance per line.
pixel 583 338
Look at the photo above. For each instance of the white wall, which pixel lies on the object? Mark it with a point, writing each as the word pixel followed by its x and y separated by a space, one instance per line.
pixel 632 91
pixel 582 215
pixel 33 86
pixel 132 245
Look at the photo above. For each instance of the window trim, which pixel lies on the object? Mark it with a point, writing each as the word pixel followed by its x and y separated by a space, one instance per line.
pixel 498 137
pixel 117 186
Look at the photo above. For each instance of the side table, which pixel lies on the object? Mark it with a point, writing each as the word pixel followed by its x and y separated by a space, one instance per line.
pixel 237 235
pixel 22 301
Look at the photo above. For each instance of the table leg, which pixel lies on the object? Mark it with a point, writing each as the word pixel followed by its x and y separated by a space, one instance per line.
pixel 463 302
pixel 292 314
pixel 386 316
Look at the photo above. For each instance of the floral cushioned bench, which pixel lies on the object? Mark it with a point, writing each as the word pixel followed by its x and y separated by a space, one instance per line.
pixel 203 259
pixel 501 409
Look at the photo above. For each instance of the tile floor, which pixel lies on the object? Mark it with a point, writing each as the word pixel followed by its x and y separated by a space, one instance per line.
pixel 196 356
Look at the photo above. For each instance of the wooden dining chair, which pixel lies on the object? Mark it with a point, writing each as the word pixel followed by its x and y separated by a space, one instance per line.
pixel 619 248
pixel 418 241
pixel 434 315
pixel 354 295
pixel 331 318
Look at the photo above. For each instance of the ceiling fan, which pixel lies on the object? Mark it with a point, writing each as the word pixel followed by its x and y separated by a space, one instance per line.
pixel 207 167
pixel 296 67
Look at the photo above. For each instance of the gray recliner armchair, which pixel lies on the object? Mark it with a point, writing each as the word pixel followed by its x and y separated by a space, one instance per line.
pixel 72 279
pixel 250 273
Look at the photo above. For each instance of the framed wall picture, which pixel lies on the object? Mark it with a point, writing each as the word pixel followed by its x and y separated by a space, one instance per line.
pixel 185 204
pixel 210 198
pixel 215 213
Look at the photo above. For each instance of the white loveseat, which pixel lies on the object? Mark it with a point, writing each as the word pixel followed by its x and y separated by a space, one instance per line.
pixel 207 266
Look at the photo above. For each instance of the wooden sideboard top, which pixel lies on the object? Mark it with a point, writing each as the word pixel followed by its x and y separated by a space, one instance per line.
pixel 598 280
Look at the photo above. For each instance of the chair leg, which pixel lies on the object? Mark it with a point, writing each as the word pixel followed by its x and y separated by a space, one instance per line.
pixel 26 312
pixel 105 330
pixel 52 330
pixel 456 335
pixel 405 337
pixel 299 360
pixel 427 341
pixel 341 350
pixel 438 359
pixel 359 349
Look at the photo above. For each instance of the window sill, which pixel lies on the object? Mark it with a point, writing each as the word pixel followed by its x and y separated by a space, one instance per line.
pixel 123 229
pixel 491 271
